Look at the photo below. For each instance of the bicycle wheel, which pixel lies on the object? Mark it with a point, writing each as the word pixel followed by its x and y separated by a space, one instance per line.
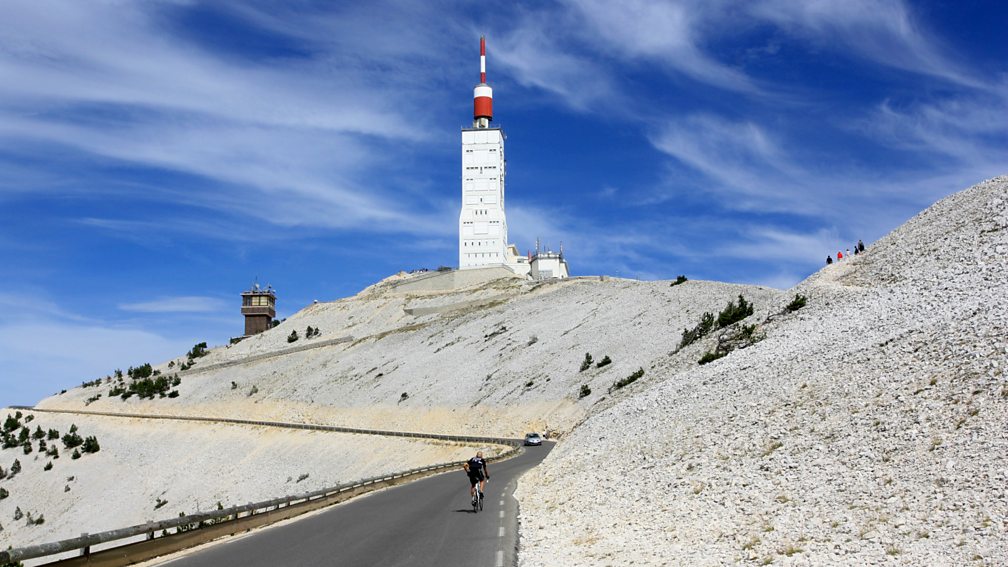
pixel 481 500
pixel 475 502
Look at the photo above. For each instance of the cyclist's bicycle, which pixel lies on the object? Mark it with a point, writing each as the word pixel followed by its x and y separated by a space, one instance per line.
pixel 477 499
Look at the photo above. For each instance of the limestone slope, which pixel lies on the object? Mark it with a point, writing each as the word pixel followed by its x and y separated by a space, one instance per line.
pixel 498 359
pixel 867 427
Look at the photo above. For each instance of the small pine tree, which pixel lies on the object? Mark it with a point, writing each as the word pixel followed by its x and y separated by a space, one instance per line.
pixel 16 467
pixel 585 391
pixel 91 445
pixel 39 434
pixel 4 493
pixel 27 448
pixel 48 466
pixel 292 337
pixel 75 455
pixel 52 435
pixel 18 514
pixel 11 423
pixel 586 364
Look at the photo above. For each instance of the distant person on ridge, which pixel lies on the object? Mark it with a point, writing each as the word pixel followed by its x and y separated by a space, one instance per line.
pixel 860 245
pixel 855 250
pixel 478 474
pixel 848 252
pixel 829 260
pixel 839 256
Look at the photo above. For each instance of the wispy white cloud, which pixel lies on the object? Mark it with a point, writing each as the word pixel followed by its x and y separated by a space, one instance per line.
pixel 883 31
pixel 179 304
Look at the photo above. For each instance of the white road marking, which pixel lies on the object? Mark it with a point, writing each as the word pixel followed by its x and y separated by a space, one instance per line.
pixel 502 513
pixel 500 532
pixel 501 502
pixel 500 558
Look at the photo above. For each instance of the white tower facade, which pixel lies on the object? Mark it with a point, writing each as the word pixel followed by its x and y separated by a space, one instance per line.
pixel 482 225
pixel 483 234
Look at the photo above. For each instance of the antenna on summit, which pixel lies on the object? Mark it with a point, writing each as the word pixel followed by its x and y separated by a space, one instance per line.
pixel 482 94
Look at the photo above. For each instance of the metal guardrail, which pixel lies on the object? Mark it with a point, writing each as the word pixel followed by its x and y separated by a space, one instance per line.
pixel 193 522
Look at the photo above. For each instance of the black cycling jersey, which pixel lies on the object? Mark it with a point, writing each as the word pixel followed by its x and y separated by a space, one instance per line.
pixel 476 465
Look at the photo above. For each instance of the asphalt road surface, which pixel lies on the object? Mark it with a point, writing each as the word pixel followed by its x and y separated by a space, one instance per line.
pixel 426 522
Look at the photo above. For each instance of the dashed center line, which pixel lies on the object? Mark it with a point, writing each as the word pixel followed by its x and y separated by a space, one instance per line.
pixel 500 558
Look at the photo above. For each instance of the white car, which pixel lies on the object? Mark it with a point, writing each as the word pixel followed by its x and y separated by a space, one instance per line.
pixel 533 439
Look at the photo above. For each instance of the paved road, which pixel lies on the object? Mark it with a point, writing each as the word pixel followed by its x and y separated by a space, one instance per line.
pixel 427 522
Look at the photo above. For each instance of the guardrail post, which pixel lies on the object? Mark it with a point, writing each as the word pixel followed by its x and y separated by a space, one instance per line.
pixel 86 550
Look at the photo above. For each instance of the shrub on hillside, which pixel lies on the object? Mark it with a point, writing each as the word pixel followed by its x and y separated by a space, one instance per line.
pixel 9 441
pixel 734 312
pixel 197 351
pixel 48 466
pixel 292 337
pixel 52 435
pixel 680 279
pixel 690 336
pixel 3 473
pixel 24 435
pixel 27 447
pixel 712 355
pixel 4 493
pixel 586 364
pixel 75 455
pixel 15 468
pixel 628 380
pixel 797 303
pixel 72 439
pixel 53 452
pixel 604 362
pixel 585 391
pixel 39 434
pixel 143 371
pixel 91 445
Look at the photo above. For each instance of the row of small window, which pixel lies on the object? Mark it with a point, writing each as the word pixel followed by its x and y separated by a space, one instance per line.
pixel 481 167
pixel 487 179
pixel 475 243
pixel 257 301
pixel 482 255
pixel 471 151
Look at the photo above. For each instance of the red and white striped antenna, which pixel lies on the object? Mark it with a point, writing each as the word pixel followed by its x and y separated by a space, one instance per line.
pixel 482 94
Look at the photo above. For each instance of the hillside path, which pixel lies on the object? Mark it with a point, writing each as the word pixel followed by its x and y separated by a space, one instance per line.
pixel 427 522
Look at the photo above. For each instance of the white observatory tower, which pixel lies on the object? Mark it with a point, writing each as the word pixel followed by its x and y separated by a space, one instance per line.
pixel 482 227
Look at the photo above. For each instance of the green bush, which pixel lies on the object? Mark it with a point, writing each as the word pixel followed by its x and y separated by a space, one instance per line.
pixel 604 362
pixel 4 493
pixel 690 336
pixel 48 466
pixel 42 446
pixel 628 380
pixel 75 455
pixel 16 467
pixel 585 391
pixel 3 473
pixel 173 394
pixel 586 364
pixel 71 440
pixel 91 445
pixel 53 452
pixel 711 356
pixel 24 434
pixel 292 337
pixel 18 514
pixel 9 441
pixel 143 371
pixel 197 351
pixel 797 303
pixel 52 435
pixel 734 312
pixel 39 434
pixel 27 447
pixel 680 279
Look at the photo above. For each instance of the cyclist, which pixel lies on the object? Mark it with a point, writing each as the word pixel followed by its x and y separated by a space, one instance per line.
pixel 478 474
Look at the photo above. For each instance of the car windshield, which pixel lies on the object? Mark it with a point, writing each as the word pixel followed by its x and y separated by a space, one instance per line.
pixel 532 436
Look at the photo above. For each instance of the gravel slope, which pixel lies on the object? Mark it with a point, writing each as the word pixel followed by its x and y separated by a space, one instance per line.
pixel 192 466
pixel 869 427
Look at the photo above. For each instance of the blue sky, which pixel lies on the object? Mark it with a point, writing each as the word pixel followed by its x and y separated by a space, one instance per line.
pixel 156 156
